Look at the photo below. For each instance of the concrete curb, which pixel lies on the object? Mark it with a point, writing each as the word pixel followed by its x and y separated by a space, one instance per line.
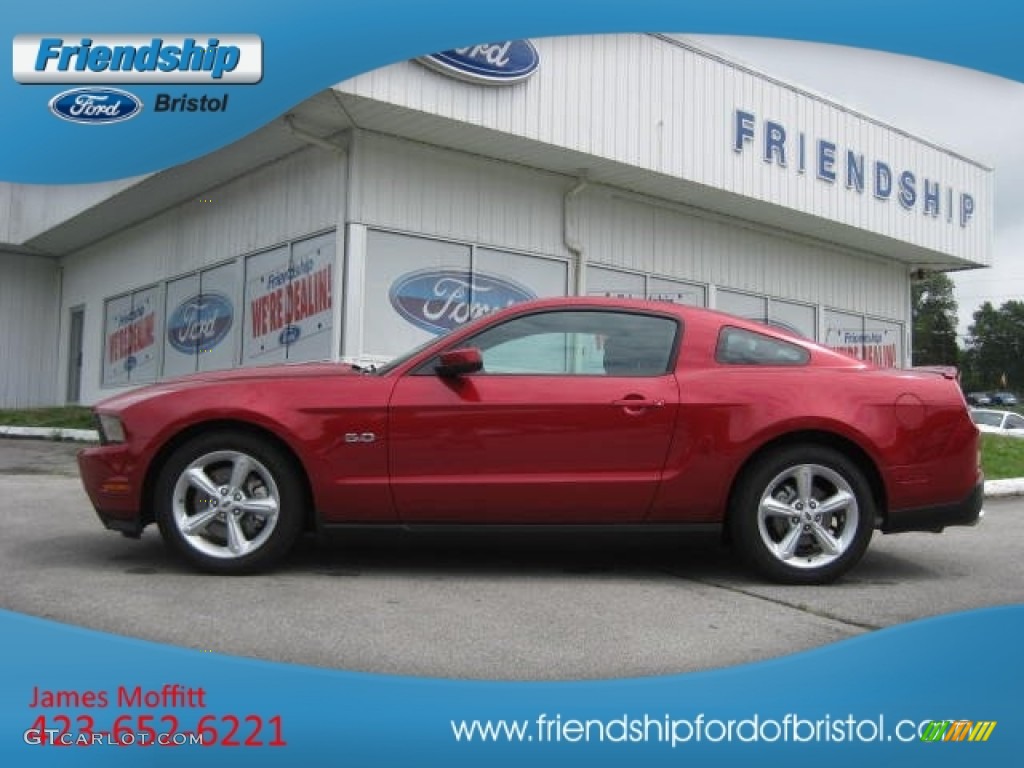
pixel 51 433
pixel 994 489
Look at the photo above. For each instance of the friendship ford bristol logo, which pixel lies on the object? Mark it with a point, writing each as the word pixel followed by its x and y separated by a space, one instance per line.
pixel 200 323
pixel 440 300
pixel 509 61
pixel 94 106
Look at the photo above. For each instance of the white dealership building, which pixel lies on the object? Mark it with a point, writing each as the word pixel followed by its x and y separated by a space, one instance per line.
pixel 398 203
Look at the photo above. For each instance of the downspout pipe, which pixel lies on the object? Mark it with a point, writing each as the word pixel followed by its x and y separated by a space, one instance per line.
pixel 570 237
pixel 341 148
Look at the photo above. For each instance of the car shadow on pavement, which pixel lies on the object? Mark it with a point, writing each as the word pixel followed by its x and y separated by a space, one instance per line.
pixel 513 553
pixel 701 557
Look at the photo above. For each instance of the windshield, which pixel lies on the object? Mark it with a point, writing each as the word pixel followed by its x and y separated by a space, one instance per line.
pixel 398 361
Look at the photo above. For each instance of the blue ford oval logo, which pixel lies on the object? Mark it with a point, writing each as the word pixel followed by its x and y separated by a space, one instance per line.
pixel 95 105
pixel 289 335
pixel 506 62
pixel 439 300
pixel 200 323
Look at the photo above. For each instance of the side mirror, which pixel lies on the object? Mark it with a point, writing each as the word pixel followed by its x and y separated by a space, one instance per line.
pixel 459 362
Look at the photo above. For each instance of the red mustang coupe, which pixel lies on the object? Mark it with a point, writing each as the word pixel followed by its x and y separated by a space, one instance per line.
pixel 571 411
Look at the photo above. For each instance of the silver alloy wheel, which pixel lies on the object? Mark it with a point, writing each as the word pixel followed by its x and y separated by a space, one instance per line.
pixel 226 504
pixel 808 516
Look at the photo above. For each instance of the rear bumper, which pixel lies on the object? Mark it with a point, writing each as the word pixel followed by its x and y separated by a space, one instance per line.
pixel 966 512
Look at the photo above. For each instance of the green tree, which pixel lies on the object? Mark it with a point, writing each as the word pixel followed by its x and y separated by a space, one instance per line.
pixel 996 346
pixel 935 321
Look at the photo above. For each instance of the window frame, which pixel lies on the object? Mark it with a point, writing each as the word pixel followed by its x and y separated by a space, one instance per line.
pixel 429 365
pixel 721 357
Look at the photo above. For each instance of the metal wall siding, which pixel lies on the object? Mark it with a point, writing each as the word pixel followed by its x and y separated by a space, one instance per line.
pixel 27 210
pixel 635 235
pixel 295 196
pixel 447 194
pixel 29 319
pixel 416 188
pixel 647 102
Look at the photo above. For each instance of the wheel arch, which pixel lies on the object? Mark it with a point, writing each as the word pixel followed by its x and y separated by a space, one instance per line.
pixel 227 425
pixel 843 445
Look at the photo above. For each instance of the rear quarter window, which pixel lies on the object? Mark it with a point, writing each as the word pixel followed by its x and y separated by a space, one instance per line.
pixel 738 346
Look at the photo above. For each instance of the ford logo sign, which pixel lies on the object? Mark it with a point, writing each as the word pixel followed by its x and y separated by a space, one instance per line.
pixel 509 61
pixel 200 323
pixel 440 300
pixel 289 335
pixel 95 105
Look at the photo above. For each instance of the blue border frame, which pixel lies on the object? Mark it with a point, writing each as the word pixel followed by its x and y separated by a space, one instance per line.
pixel 957 665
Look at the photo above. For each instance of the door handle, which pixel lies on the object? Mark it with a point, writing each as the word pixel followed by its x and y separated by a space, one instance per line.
pixel 637 403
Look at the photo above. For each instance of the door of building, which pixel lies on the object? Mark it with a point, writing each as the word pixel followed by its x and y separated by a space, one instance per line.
pixel 77 325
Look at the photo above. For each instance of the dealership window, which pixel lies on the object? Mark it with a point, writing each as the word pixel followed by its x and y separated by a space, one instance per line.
pixel 132 325
pixel 792 317
pixel 201 321
pixel 866 338
pixel 676 291
pixel 194 323
pixel 743 305
pixel 289 302
pixel 602 281
pixel 418 287
pixel 798 319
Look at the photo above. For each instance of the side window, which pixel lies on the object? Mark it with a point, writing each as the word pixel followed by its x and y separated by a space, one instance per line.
pixel 579 343
pixel 543 353
pixel 737 346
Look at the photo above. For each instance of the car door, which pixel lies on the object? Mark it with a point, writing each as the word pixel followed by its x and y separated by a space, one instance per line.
pixel 552 430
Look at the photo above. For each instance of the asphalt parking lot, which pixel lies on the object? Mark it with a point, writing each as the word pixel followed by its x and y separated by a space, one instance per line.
pixel 533 607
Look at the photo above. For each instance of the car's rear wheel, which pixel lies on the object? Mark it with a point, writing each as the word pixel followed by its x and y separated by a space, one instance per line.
pixel 230 502
pixel 803 515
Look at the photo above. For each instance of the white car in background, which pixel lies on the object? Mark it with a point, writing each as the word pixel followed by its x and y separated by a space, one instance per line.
pixel 998 422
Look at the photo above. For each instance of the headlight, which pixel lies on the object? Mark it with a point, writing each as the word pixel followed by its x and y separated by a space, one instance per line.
pixel 111 428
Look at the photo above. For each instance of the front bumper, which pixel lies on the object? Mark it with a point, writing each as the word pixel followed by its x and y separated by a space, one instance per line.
pixel 966 512
pixel 113 482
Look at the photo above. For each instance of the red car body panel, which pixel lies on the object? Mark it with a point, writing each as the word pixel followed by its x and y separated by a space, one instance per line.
pixel 504 449
pixel 550 449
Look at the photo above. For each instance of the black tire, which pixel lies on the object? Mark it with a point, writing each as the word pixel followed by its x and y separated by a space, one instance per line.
pixel 230 502
pixel 803 514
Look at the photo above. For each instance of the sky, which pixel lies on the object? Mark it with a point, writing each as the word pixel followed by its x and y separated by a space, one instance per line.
pixel 978 115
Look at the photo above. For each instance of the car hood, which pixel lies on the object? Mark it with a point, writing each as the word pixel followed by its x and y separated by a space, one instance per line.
pixel 261 373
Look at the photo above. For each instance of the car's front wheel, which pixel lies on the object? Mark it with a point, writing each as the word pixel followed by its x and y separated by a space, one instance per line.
pixel 230 502
pixel 803 515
